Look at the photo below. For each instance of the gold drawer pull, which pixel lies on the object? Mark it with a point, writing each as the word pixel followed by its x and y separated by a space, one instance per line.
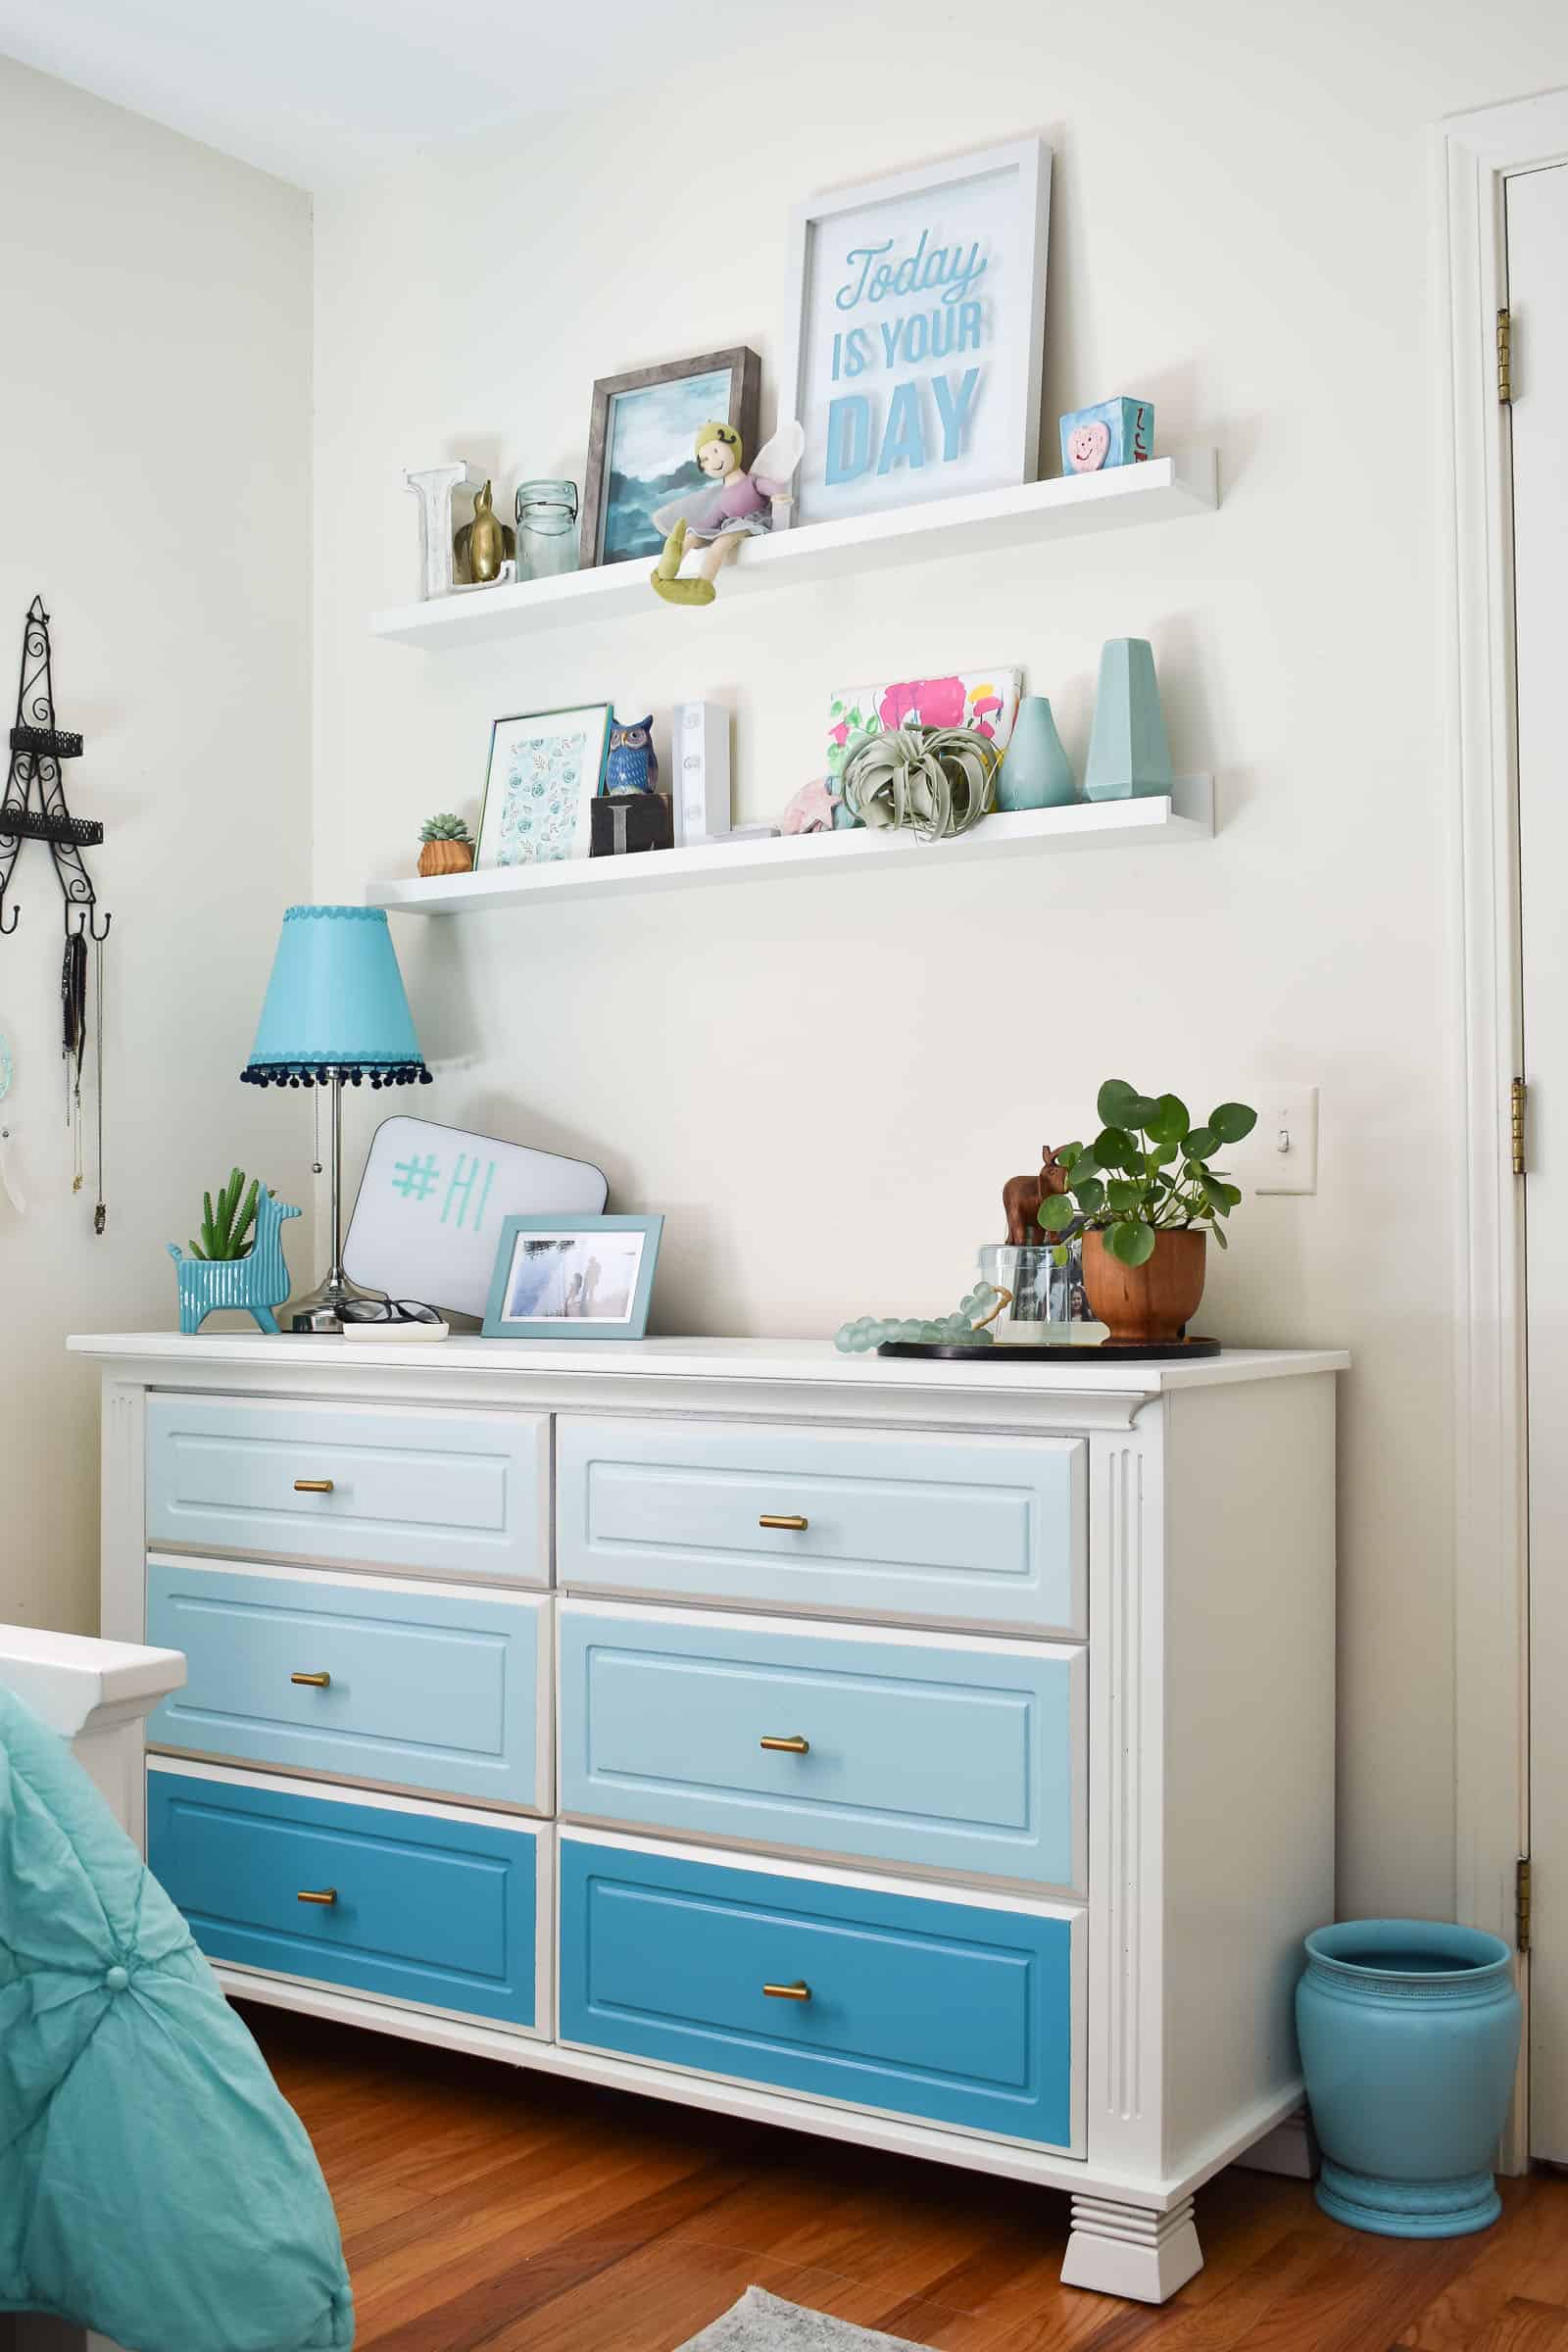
pixel 794 1746
pixel 799 1990
pixel 789 1519
pixel 313 1486
pixel 326 1895
pixel 312 1681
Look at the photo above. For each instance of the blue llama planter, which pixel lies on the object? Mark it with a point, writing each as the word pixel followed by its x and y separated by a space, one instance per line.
pixel 1409 2033
pixel 258 1282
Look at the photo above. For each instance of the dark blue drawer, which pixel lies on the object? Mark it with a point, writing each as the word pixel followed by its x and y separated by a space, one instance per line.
pixel 431 1906
pixel 959 2013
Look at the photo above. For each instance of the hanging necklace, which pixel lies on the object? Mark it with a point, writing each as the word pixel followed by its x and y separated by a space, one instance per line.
pixel 100 1214
pixel 73 1039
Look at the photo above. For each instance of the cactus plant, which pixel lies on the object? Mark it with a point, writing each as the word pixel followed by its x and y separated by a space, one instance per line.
pixel 447 848
pixel 227 1229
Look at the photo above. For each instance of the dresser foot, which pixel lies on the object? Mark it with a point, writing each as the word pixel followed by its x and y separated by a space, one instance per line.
pixel 1290 2149
pixel 1131 2250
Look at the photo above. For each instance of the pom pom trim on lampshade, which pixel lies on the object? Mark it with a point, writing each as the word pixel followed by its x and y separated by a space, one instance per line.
pixel 320 1073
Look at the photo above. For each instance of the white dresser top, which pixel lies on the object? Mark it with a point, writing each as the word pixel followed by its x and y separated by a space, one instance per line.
pixel 750 1375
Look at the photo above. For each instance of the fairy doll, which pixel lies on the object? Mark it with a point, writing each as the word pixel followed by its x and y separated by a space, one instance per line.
pixel 706 527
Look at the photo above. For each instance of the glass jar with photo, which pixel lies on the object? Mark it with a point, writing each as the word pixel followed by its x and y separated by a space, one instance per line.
pixel 547 529
pixel 1048 1307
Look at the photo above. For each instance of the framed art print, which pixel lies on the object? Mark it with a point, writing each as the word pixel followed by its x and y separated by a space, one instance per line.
pixel 983 700
pixel 540 785
pixel 916 332
pixel 573 1278
pixel 642 445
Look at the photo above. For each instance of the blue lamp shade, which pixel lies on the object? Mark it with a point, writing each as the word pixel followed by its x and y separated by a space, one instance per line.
pixel 335 1004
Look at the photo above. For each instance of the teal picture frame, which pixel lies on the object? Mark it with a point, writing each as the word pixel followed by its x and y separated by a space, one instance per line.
pixel 599 1286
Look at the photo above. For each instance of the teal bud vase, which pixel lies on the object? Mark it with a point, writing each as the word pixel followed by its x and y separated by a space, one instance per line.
pixel 1129 758
pixel 1035 771
pixel 1409 2033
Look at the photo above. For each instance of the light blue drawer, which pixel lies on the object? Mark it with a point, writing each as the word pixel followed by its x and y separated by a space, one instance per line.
pixel 959 2013
pixel 435 1907
pixel 452 1494
pixel 921 1749
pixel 426 1688
pixel 983 1532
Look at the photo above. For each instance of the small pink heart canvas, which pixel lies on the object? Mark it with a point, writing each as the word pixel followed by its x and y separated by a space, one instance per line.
pixel 986 699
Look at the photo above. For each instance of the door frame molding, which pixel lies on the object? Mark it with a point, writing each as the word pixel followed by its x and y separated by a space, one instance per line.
pixel 1477 152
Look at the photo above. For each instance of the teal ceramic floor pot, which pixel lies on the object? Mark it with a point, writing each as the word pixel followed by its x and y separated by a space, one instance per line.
pixel 1409 2033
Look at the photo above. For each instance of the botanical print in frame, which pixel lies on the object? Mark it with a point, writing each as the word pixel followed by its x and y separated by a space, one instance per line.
pixel 917 329
pixel 539 790
pixel 642 445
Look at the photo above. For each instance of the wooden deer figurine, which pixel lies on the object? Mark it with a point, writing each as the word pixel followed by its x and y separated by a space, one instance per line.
pixel 1022 1196
pixel 257 1282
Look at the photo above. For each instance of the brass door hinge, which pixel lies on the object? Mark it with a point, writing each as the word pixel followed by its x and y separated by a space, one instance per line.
pixel 1504 358
pixel 1521 1903
pixel 1518 1103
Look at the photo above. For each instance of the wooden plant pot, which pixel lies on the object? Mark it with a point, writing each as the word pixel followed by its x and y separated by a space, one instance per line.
pixel 445 857
pixel 1154 1301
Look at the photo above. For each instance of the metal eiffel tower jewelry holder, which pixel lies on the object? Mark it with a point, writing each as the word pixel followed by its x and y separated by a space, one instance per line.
pixel 37 749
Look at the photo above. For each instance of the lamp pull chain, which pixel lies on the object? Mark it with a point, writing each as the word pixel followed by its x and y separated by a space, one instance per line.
pixel 315 1131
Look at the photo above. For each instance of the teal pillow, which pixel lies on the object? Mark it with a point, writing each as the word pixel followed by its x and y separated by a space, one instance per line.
pixel 154 2183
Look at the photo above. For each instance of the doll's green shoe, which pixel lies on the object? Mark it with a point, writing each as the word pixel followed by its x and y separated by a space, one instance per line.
pixel 664 574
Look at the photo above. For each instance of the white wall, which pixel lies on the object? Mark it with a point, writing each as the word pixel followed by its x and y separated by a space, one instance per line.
pixel 155 420
pixel 824 1083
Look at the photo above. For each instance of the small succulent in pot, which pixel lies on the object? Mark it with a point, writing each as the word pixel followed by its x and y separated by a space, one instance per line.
pixel 1148 1195
pixel 447 848
pixel 227 1228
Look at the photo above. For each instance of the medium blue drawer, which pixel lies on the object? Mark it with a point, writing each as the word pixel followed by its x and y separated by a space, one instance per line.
pixel 962 2014
pixel 435 1907
pixel 426 1688
pixel 920 1749
pixel 449 1493
pixel 983 1532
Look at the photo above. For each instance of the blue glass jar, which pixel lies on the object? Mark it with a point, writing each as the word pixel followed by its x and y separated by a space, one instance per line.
pixel 547 529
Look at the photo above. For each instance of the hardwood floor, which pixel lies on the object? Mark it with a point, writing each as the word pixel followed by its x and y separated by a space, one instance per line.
pixel 485 2209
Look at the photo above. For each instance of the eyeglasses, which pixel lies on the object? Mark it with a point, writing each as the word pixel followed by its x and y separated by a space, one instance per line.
pixel 385 1310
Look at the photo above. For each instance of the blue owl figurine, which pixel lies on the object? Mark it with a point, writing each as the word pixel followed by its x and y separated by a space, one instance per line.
pixel 630 764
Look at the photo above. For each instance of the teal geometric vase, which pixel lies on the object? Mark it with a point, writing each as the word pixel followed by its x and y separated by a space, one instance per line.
pixel 1129 758
pixel 1409 2035
pixel 1035 772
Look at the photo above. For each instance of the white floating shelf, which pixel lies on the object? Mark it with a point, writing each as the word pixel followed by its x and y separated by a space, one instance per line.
pixel 1186 814
pixel 1156 491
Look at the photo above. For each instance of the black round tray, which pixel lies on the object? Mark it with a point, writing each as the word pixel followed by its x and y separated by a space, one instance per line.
pixel 1121 1352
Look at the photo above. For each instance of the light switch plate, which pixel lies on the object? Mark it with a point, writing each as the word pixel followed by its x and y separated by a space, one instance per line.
pixel 1279 1155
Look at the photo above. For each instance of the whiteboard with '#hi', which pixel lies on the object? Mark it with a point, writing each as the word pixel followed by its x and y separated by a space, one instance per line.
pixel 432 1202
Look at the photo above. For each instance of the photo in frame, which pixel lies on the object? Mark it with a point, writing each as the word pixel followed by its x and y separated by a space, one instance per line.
pixel 915 335
pixel 544 772
pixel 642 445
pixel 573 1278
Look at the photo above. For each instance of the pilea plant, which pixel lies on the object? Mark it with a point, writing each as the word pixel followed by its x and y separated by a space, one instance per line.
pixel 227 1229
pixel 1147 1171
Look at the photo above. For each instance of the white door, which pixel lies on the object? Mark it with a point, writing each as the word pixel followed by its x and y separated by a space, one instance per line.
pixel 1538 302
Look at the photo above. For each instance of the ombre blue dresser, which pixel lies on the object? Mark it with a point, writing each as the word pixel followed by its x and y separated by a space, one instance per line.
pixel 934 1756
